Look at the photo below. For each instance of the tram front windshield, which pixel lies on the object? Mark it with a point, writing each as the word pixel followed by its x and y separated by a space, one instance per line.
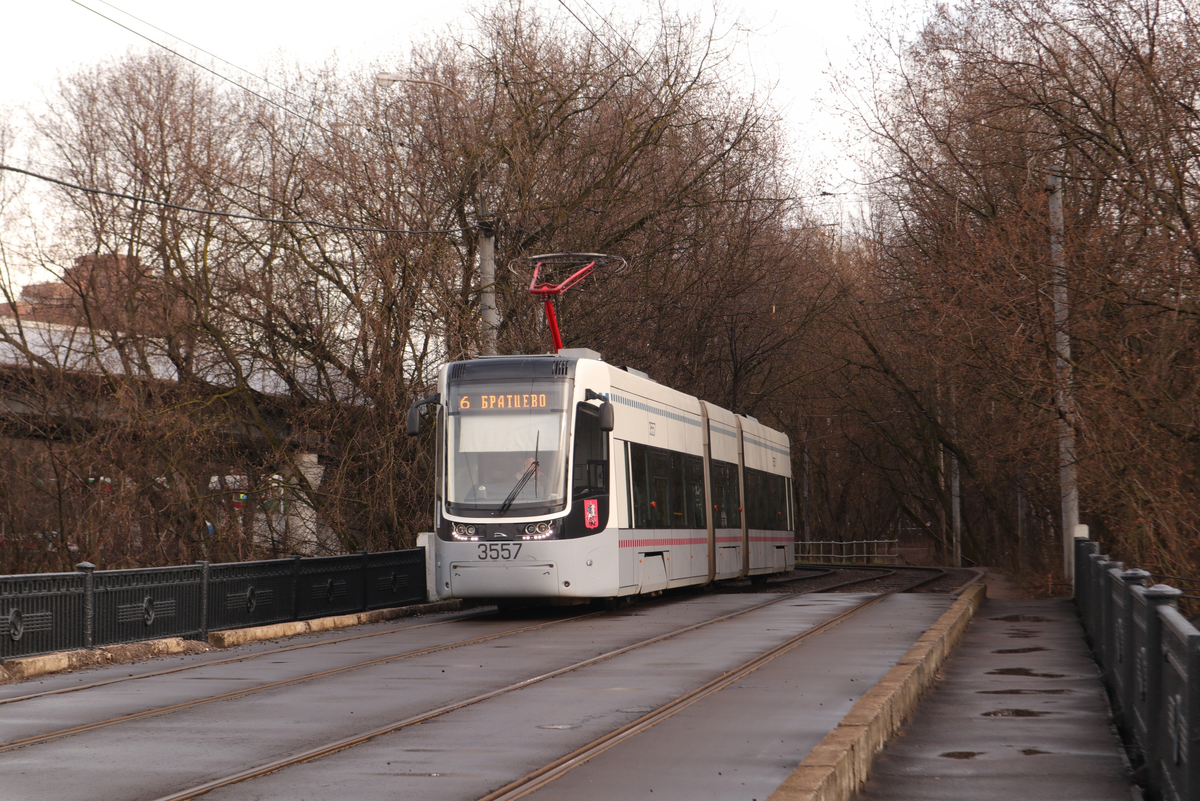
pixel 505 454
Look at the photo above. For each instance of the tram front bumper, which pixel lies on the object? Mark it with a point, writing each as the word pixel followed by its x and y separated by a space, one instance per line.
pixel 503 580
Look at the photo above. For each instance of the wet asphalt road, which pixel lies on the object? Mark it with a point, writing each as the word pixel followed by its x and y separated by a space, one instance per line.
pixel 738 743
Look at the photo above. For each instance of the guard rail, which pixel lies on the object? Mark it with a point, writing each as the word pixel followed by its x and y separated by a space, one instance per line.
pixel 1149 657
pixel 45 612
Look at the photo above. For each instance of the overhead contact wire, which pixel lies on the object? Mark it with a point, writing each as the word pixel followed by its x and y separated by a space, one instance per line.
pixel 196 63
pixel 229 214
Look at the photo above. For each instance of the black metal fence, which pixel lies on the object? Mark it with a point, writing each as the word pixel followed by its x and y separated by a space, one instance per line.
pixel 1149 656
pixel 864 552
pixel 45 612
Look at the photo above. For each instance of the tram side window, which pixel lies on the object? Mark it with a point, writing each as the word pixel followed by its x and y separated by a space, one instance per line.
pixel 589 465
pixel 640 483
pixel 789 496
pixel 778 512
pixel 766 501
pixel 660 488
pixel 667 488
pixel 727 499
pixel 754 499
pixel 695 492
pixel 678 491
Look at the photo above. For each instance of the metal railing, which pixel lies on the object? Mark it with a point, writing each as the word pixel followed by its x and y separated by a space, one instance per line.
pixel 45 612
pixel 1149 657
pixel 857 551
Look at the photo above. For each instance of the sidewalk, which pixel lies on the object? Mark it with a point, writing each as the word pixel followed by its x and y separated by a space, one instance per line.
pixel 1018 714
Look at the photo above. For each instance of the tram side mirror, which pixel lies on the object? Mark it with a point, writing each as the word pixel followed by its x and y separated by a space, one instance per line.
pixel 607 417
pixel 414 413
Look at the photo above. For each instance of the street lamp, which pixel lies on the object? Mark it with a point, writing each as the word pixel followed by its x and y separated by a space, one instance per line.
pixel 486 233
pixel 386 80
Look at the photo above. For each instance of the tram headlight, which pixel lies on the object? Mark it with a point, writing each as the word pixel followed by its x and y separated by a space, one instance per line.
pixel 463 532
pixel 538 531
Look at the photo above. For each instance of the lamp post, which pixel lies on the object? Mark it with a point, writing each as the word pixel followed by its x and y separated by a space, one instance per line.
pixel 485 231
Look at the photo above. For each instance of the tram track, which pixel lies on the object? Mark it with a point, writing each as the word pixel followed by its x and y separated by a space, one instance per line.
pixel 539 778
pixel 59 734
pixel 821 572
pixel 890 573
pixel 241 658
pixel 542 776
pixel 879 573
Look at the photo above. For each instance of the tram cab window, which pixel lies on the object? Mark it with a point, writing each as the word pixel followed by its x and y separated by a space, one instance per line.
pixel 505 448
pixel 589 464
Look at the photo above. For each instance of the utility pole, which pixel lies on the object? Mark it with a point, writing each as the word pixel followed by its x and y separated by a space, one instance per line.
pixel 955 484
pixel 804 495
pixel 1022 519
pixel 487 232
pixel 1064 376
pixel 487 290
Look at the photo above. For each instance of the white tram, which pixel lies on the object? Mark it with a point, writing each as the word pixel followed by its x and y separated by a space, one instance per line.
pixel 562 476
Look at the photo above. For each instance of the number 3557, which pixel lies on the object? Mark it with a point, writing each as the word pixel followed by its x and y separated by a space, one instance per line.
pixel 499 550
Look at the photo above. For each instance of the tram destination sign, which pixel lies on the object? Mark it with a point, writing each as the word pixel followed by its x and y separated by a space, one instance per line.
pixel 485 402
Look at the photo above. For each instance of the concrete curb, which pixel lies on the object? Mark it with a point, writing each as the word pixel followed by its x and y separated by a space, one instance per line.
pixel 979 578
pixel 839 765
pixel 232 637
pixel 29 667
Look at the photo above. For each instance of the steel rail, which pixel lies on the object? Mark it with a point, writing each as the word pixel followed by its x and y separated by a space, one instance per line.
pixel 539 778
pixel 39 739
pixel 816 573
pixel 358 739
pixel 884 572
pixel 887 571
pixel 938 573
pixel 244 657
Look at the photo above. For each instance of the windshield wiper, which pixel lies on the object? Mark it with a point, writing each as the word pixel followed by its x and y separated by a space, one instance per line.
pixel 529 473
pixel 512 496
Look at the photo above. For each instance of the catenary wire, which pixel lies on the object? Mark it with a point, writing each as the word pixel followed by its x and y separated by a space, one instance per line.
pixel 210 70
pixel 229 214
pixel 197 48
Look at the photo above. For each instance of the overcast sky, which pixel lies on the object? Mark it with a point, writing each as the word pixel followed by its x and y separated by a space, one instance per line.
pixel 788 47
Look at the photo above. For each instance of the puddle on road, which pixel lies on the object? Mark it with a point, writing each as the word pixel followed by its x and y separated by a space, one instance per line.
pixel 1015 713
pixel 1034 751
pixel 1024 672
pixel 962 754
pixel 1030 650
pixel 1023 619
